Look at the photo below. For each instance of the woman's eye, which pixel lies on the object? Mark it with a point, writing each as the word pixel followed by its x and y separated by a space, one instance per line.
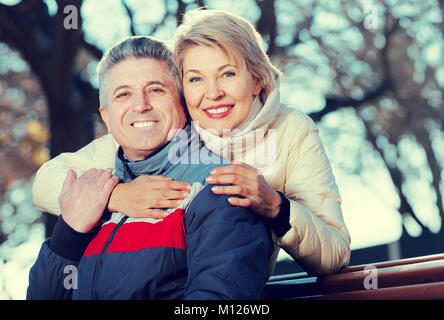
pixel 195 79
pixel 229 74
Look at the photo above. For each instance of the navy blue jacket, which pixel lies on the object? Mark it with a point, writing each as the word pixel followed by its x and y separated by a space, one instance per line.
pixel 204 249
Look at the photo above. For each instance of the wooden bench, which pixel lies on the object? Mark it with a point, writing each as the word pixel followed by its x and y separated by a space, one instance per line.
pixel 413 278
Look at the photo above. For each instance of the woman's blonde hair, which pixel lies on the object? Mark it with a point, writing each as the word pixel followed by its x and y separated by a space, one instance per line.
pixel 234 35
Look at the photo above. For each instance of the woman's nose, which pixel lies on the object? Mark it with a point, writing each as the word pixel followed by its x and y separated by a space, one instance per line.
pixel 213 91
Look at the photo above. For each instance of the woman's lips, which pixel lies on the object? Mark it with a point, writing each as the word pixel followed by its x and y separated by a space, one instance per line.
pixel 219 112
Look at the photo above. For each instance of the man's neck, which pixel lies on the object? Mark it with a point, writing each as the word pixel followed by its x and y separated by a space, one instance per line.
pixel 145 154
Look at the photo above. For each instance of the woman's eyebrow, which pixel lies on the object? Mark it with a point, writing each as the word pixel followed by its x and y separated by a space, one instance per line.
pixel 218 69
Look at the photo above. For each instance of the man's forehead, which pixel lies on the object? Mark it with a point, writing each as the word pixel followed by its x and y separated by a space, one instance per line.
pixel 136 70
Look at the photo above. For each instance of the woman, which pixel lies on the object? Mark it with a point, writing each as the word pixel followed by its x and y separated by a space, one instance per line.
pixel 232 94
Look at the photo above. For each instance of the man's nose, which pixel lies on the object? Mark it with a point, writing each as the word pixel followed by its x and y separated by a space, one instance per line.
pixel 141 103
pixel 213 90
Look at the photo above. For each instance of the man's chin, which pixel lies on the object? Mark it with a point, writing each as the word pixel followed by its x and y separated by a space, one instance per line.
pixel 140 152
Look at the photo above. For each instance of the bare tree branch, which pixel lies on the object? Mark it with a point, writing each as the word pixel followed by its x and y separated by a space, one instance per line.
pixel 181 6
pixel 423 137
pixel 161 23
pixel 396 176
pixel 129 12
pixel 333 103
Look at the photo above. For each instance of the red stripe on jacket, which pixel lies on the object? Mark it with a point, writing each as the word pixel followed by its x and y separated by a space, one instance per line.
pixel 134 236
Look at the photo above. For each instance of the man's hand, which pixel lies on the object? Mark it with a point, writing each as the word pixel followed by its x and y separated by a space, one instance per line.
pixel 83 200
pixel 146 195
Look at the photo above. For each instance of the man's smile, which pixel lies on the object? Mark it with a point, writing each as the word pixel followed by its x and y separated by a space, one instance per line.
pixel 144 124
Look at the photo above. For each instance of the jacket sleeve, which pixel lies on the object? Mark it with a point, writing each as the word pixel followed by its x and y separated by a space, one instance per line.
pixel 49 179
pixel 318 238
pixel 227 250
pixel 54 274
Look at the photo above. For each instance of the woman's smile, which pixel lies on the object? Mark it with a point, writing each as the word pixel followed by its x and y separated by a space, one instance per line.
pixel 219 112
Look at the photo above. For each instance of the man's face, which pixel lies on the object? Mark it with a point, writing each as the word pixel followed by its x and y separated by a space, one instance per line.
pixel 144 110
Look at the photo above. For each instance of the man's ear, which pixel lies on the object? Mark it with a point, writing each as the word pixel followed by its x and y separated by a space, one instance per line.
pixel 104 115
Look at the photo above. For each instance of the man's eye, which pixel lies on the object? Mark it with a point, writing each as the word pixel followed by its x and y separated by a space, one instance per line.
pixel 156 91
pixel 121 95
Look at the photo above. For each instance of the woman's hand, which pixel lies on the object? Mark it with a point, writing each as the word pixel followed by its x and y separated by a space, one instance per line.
pixel 245 181
pixel 145 196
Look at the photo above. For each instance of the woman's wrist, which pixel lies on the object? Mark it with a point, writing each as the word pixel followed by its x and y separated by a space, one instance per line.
pixel 280 223
pixel 276 205
pixel 114 200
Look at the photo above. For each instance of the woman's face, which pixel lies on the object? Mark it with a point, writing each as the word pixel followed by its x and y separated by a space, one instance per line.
pixel 218 92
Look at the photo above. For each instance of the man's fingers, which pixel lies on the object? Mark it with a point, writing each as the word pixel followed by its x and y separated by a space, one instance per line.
pixel 110 184
pixel 71 176
pixel 102 178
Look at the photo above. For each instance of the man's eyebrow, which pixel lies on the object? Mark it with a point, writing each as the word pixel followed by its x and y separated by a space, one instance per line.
pixel 120 87
pixel 149 83
pixel 158 82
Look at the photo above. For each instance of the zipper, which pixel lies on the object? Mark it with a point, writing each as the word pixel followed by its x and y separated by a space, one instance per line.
pixel 99 264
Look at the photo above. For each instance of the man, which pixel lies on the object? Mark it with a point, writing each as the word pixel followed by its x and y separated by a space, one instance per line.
pixel 203 249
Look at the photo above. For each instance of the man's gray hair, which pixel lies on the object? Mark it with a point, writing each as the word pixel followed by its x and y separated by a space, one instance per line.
pixel 135 47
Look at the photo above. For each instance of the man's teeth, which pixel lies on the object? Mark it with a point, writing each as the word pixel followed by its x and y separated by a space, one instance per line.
pixel 144 124
pixel 218 110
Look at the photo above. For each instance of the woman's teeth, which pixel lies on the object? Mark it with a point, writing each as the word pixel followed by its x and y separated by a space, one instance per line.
pixel 219 110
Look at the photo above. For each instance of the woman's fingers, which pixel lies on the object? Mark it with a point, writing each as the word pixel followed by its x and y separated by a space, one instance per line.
pixel 170 185
pixel 163 204
pixel 237 190
pixel 153 213
pixel 230 178
pixel 172 194
pixel 242 202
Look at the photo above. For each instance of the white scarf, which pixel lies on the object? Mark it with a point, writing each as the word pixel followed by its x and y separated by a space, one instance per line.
pixel 251 131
